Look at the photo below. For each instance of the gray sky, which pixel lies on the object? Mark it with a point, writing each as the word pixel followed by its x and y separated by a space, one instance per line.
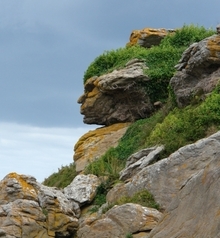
pixel 45 48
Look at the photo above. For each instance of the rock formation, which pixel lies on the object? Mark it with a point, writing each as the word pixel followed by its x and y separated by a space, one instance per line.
pixel 148 37
pixel 116 97
pixel 96 142
pixel 29 209
pixel 121 220
pixel 185 184
pixel 198 71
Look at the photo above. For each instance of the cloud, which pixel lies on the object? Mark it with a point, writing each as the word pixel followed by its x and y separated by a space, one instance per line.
pixel 35 150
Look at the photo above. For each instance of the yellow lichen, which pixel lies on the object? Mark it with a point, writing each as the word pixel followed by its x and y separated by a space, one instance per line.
pixel 95 143
pixel 138 34
pixel 26 187
pixel 213 45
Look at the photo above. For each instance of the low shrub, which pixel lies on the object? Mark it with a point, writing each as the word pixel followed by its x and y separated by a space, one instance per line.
pixel 144 198
pixel 62 178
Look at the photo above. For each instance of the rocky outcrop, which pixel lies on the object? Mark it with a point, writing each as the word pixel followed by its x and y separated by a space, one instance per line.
pixel 117 96
pixel 166 177
pixel 96 142
pixel 148 37
pixel 29 209
pixel 198 71
pixel 186 185
pixel 120 221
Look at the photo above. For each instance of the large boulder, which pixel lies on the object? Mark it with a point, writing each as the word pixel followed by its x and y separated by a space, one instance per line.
pixel 96 142
pixel 194 212
pixel 82 189
pixel 120 221
pixel 117 96
pixel 148 37
pixel 198 71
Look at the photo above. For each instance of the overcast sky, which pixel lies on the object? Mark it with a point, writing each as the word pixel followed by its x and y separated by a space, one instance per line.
pixel 45 48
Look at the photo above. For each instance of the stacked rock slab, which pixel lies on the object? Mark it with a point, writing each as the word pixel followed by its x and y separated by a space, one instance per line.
pixel 95 143
pixel 148 37
pixel 116 97
pixel 198 71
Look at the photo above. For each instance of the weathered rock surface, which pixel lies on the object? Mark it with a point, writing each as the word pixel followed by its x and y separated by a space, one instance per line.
pixel 148 37
pixel 29 209
pixel 195 211
pixel 198 70
pixel 83 188
pixel 186 184
pixel 96 142
pixel 119 221
pixel 117 96
pixel 165 178
pixel 136 162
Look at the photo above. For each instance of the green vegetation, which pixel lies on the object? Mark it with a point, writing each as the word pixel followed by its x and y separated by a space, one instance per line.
pixel 62 178
pixel 159 59
pixel 114 59
pixel 144 198
pixel 187 35
pixel 113 161
pixel 170 126
pixel 129 235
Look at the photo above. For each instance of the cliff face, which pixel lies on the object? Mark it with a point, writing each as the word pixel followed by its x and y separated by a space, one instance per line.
pixel 185 184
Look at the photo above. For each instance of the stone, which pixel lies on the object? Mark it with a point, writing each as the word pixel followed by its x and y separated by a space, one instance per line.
pixel 30 209
pixel 148 37
pixel 83 188
pixel 116 97
pixel 121 220
pixel 198 71
pixel 195 210
pixel 96 142
pixel 136 162
pixel 165 178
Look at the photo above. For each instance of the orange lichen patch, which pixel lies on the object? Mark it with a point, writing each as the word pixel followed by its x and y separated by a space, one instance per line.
pixel 218 213
pixel 93 93
pixel 27 188
pixel 183 166
pixel 144 33
pixel 95 143
pixel 213 45
pixel 99 132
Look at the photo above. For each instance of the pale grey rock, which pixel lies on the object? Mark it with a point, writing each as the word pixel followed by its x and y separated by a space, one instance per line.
pixel 121 220
pixel 198 71
pixel 136 162
pixel 49 196
pixel 83 188
pixel 165 178
pixel 194 211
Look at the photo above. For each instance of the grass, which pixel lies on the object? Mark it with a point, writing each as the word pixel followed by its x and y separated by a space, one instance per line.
pixel 159 59
pixel 62 178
